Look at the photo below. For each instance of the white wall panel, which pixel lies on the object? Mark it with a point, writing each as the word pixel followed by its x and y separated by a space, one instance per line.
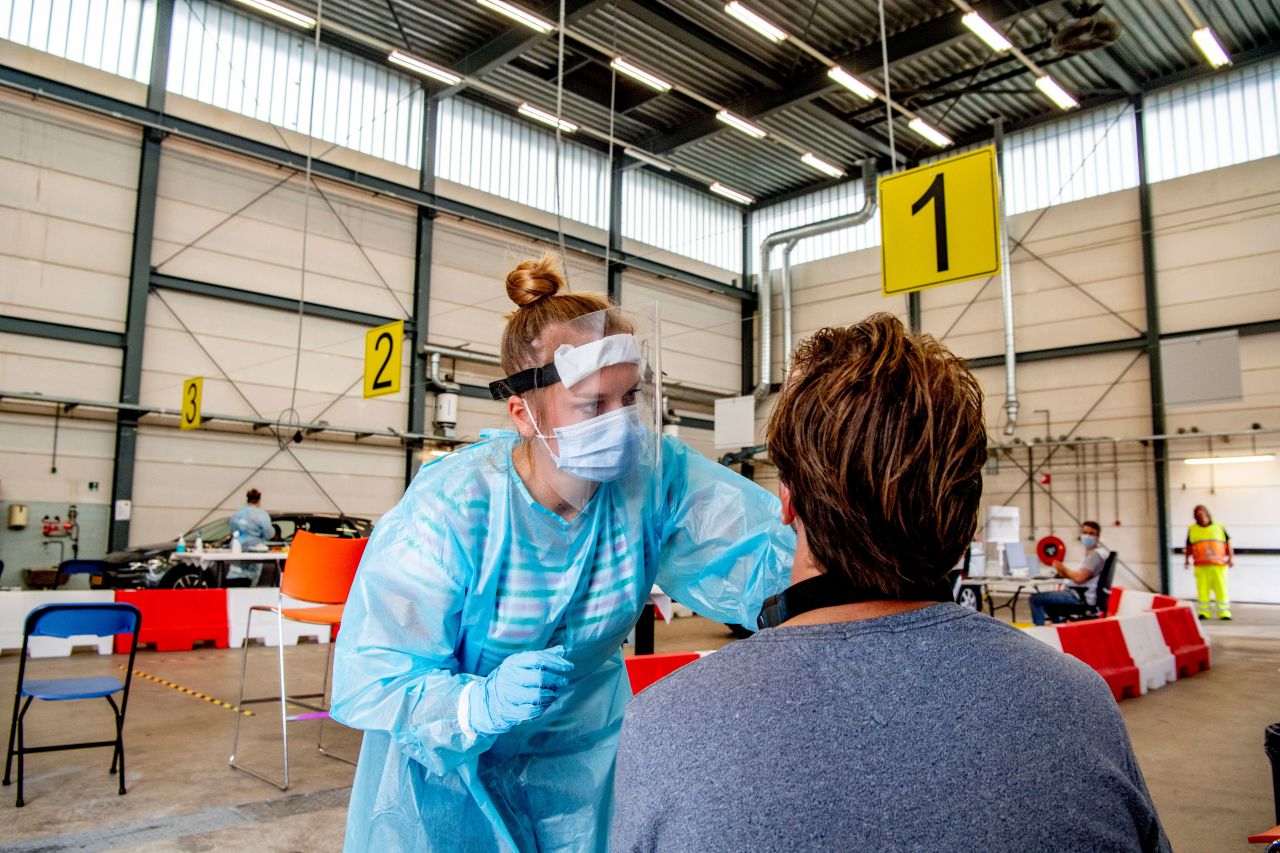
pixel 256 348
pixel 67 194
pixel 59 369
pixel 209 227
pixel 181 477
pixel 1216 247
pixel 1087 264
pixel 700 332
pixel 85 451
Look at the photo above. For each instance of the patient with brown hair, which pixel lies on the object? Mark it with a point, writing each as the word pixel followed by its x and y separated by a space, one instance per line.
pixel 870 712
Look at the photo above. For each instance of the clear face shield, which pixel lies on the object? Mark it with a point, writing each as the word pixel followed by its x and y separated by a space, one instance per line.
pixel 589 413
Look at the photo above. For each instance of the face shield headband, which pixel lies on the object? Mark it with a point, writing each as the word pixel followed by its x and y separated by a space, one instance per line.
pixel 571 365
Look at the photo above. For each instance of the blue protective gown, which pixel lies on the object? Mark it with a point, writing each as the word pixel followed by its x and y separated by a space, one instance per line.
pixel 468 569
pixel 254 524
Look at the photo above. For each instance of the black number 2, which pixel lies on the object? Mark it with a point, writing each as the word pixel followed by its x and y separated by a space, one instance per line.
pixel 378 381
pixel 189 414
pixel 937 193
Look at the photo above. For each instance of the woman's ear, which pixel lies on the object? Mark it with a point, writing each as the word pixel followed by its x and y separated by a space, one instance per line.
pixel 519 411
pixel 788 511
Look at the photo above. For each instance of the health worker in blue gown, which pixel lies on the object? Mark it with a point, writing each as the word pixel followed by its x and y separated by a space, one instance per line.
pixel 480 649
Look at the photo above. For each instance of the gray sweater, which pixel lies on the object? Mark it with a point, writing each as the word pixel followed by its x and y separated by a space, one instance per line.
pixel 938 729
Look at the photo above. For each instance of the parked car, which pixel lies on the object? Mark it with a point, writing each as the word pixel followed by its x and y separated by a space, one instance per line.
pixel 149 566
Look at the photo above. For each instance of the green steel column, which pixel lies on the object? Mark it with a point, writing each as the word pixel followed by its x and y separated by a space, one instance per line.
pixel 422 291
pixel 126 439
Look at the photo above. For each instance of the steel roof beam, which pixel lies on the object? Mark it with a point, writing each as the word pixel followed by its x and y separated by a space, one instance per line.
pixel 692 37
pixel 911 42
pixel 513 42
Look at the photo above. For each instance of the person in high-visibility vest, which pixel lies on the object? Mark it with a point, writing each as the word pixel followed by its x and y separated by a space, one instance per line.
pixel 1209 547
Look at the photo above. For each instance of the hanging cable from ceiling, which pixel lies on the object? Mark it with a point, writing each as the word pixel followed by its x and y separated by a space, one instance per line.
pixel 564 267
pixel 888 95
pixel 292 411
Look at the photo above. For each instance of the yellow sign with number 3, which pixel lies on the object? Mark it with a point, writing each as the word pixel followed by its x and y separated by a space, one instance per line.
pixel 382 346
pixel 940 223
pixel 192 390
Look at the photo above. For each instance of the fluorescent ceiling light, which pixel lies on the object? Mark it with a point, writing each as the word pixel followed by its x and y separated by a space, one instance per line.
pixel 546 118
pixel 1056 93
pixel 930 132
pixel 635 73
pixel 284 13
pixel 993 37
pixel 1211 47
pixel 426 69
pixel 733 195
pixel 1230 460
pixel 515 13
pixel 647 158
pixel 755 22
pixel 853 84
pixel 741 124
pixel 822 166
pixel 436 454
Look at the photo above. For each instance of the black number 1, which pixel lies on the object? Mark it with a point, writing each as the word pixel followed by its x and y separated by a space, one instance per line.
pixel 937 193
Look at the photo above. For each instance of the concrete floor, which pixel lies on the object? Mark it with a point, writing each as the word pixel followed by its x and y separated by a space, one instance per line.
pixel 1199 742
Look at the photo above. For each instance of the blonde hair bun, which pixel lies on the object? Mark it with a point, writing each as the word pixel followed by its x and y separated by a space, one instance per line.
pixel 534 280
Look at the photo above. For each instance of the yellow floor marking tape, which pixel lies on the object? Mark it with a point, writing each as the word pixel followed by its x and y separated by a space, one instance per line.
pixel 188 691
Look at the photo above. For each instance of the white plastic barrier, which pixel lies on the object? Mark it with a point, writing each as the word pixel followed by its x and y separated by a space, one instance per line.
pixel 1150 653
pixel 1046 634
pixel 239 600
pixel 16 604
pixel 1133 602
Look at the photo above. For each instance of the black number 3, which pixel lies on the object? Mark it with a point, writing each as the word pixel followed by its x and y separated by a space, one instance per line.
pixel 189 411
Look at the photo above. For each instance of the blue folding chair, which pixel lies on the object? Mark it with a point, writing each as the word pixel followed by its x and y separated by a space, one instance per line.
pixel 73 620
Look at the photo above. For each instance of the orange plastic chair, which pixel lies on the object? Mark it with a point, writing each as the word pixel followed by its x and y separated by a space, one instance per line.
pixel 319 570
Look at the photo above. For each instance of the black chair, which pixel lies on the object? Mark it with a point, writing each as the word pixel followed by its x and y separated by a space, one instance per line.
pixel 1079 611
pixel 104 619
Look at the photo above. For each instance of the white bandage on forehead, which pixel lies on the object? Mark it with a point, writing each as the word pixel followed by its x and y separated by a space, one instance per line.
pixel 577 363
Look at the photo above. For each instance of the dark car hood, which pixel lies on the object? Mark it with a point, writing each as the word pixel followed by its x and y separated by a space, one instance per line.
pixel 139 553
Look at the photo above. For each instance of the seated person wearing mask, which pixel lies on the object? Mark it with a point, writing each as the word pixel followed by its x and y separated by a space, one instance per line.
pixel 871 712
pixel 1084 578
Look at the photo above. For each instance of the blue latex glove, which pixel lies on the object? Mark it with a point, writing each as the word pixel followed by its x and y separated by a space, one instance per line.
pixel 520 689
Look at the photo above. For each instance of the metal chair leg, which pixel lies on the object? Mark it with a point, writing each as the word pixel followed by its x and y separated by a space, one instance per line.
pixel 22 751
pixel 240 702
pixel 13 729
pixel 325 701
pixel 284 700
pixel 119 748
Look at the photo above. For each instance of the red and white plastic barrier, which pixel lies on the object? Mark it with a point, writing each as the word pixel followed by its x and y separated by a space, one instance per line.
pixel 1145 642
pixel 172 619
pixel 16 604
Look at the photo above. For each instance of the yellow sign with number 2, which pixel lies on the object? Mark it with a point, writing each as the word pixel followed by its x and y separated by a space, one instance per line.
pixel 382 359
pixel 940 223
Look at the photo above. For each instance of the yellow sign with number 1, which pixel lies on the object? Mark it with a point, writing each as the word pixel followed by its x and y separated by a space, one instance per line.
pixel 940 223
pixel 382 346
pixel 192 389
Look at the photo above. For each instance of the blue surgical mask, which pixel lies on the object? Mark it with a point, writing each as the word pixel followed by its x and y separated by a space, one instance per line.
pixel 601 449
pixel 1088 540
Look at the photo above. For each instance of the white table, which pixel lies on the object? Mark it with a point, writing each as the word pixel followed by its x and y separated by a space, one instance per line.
pixel 1013 586
pixel 222 558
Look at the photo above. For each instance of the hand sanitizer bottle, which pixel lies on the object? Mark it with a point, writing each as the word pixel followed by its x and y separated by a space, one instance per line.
pixel 181 545
pixel 199 542
pixel 235 542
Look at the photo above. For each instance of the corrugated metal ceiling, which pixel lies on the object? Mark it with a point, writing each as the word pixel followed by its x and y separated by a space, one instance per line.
pixel 940 70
